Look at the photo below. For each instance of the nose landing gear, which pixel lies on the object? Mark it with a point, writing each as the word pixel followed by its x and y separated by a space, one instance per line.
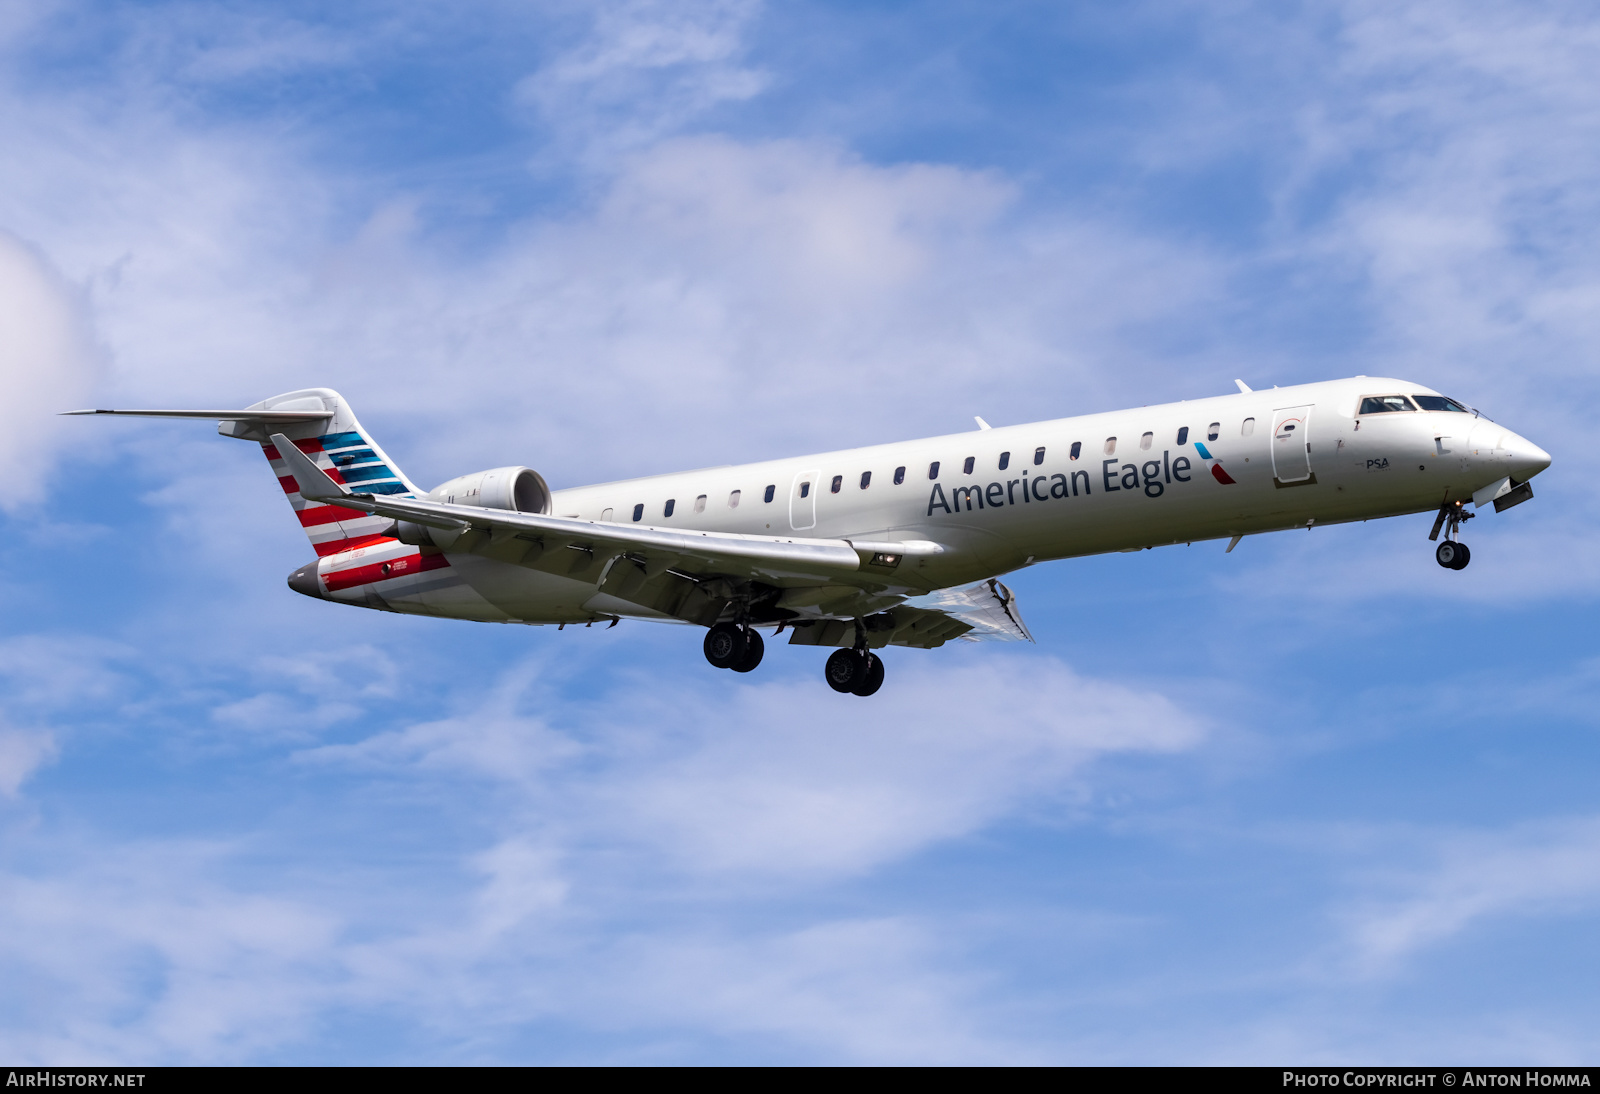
pixel 1452 554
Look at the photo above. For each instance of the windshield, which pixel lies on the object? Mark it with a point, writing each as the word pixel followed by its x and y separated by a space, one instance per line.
pixel 1383 404
pixel 1438 402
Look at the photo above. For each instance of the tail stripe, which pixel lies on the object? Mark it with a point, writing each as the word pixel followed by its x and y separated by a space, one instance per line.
pixel 311 516
pixel 333 528
pixel 364 474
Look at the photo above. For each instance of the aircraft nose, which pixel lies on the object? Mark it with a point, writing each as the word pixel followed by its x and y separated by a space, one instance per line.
pixel 304 581
pixel 1525 459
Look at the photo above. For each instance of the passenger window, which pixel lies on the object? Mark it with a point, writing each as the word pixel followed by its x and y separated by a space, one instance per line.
pixel 899 475
pixel 1005 460
pixel 670 503
pixel 1183 435
pixel 733 500
pixel 1146 441
pixel 1038 456
pixel 933 470
pixel 1111 446
pixel 700 504
pixel 805 489
pixel 966 468
pixel 638 511
pixel 1213 431
pixel 767 497
pixel 1077 450
pixel 605 515
pixel 1248 428
pixel 866 479
pixel 838 481
pixel 1384 404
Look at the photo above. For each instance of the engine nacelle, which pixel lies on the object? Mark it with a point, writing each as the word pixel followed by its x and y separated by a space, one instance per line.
pixel 519 489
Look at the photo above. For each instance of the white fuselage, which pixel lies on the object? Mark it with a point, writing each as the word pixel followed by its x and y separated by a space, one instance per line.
pixel 1047 490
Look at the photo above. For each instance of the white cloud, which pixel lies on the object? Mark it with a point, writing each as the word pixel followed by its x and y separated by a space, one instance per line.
pixel 48 363
pixel 645 69
pixel 21 754
pixel 237 970
pixel 784 780
pixel 1535 869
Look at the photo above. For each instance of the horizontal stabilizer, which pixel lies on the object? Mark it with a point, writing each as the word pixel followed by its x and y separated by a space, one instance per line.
pixel 276 417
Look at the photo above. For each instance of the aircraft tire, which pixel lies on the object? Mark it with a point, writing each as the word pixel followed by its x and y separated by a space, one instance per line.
pixel 842 670
pixel 1447 553
pixel 725 645
pixel 754 648
pixel 872 679
pixel 1463 556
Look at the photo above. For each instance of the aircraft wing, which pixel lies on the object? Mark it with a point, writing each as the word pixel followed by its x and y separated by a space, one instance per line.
pixel 989 608
pixel 985 611
pixel 679 573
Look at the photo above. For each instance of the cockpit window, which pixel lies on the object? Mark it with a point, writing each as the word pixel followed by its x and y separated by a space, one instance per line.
pixel 1438 402
pixel 1383 404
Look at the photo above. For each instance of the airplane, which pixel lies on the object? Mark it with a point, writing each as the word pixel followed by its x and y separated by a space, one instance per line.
pixel 892 545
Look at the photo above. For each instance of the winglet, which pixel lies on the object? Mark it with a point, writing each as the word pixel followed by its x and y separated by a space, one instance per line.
pixel 981 423
pixel 314 483
pixel 1244 388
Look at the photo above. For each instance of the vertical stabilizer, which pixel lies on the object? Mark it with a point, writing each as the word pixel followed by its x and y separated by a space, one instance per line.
pixel 340 447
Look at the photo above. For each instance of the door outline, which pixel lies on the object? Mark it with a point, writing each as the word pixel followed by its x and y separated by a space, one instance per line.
pixel 804 508
pixel 1291 446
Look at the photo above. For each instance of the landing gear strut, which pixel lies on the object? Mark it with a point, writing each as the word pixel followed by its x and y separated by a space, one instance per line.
pixel 730 646
pixel 1452 554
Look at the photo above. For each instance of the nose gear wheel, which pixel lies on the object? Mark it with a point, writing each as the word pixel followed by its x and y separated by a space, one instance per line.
pixel 1452 554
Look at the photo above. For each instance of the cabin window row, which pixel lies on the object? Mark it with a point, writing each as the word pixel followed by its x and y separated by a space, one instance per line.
pixel 968 466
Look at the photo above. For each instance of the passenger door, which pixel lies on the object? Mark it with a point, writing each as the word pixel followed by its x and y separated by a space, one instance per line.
pixel 1291 444
pixel 803 500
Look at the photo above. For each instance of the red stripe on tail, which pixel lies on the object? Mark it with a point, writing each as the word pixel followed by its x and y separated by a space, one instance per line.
pixel 311 447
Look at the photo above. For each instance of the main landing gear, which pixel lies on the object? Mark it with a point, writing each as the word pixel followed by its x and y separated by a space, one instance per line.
pixel 1452 554
pixel 854 672
pixel 730 646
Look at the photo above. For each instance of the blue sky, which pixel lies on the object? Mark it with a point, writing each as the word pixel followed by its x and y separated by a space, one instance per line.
pixel 1315 800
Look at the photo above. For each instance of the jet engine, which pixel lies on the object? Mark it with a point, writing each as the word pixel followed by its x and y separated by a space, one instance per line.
pixel 519 489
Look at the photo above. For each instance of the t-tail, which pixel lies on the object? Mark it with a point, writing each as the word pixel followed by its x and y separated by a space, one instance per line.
pixel 322 425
